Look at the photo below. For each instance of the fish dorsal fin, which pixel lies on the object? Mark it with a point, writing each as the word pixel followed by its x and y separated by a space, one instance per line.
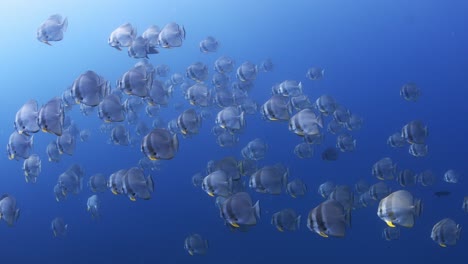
pixel 56 18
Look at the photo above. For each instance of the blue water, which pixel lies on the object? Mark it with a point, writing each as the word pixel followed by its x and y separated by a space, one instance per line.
pixel 368 50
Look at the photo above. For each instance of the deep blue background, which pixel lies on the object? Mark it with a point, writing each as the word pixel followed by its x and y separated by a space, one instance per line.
pixel 368 50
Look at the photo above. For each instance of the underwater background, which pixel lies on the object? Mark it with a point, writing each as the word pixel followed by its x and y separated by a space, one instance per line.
pixel 368 50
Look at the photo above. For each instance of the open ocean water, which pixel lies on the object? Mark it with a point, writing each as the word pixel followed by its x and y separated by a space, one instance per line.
pixel 368 50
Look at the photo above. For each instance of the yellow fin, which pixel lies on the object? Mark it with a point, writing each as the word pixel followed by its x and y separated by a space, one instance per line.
pixel 322 234
pixel 442 245
pixel 55 233
pixel 114 191
pixel 389 223
pixel 280 229
pixel 211 194
pixel 12 156
pixel 234 225
pixel 152 158
pixel 190 252
pixel 45 130
pixel 293 196
pixel 132 198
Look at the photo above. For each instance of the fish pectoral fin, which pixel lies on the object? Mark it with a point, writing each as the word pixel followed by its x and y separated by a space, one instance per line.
pixel 114 191
pixel 442 245
pixel 132 198
pixel 280 229
pixel 190 252
pixel 211 194
pixel 322 234
pixel 234 225
pixel 389 223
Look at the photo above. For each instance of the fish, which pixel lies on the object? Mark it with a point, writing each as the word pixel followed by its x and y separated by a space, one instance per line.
pixel 442 193
pixel 52 29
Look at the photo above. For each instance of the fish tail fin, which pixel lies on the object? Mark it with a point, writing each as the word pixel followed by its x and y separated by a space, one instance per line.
pixel 65 24
pixel 31 141
pixel 290 108
pixel 348 218
pixel 418 206
pixel 319 120
pixel 285 177
pixel 152 50
pixel 175 142
pixel 229 183
pixel 17 215
pixel 150 183
pixel 298 222
pixel 242 118
pixel 395 169
pixel 418 179
pixel 257 209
